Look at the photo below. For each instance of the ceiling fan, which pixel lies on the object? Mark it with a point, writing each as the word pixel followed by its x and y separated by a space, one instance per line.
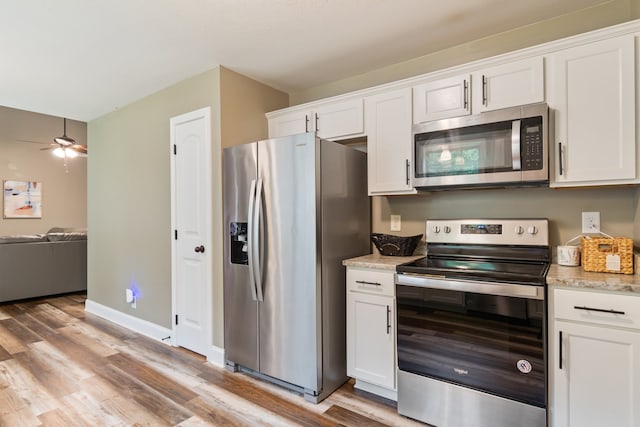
pixel 66 147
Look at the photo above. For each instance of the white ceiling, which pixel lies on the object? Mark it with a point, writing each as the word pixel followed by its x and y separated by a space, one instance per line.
pixel 84 58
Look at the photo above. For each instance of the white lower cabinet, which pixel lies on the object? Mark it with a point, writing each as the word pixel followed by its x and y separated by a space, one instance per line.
pixel 371 330
pixel 596 360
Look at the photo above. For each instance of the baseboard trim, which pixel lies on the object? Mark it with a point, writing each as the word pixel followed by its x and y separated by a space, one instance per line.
pixel 216 356
pixel 141 326
pixel 375 389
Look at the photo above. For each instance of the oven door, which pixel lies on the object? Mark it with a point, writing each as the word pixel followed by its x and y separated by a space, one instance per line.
pixel 484 336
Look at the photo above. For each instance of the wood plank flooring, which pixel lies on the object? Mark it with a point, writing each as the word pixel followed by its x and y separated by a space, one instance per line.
pixel 60 366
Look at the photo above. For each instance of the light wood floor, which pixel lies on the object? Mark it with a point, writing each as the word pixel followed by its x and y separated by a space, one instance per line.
pixel 60 366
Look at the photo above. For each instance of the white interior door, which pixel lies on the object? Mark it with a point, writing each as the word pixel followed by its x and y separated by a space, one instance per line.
pixel 191 227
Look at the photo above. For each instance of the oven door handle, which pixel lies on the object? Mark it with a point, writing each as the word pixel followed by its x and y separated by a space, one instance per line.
pixel 490 288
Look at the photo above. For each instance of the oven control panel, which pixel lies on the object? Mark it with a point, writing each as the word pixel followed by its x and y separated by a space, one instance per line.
pixel 533 232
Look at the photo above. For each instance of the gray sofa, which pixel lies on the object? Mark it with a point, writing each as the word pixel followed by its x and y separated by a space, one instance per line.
pixel 43 264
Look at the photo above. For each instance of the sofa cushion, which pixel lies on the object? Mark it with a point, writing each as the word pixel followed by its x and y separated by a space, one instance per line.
pixel 23 238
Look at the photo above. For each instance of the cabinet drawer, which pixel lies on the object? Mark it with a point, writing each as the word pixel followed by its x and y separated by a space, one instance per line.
pixel 377 282
pixel 597 307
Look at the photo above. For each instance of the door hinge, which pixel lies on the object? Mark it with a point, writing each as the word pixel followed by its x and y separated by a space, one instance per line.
pixel 175 149
pixel 175 234
pixel 176 319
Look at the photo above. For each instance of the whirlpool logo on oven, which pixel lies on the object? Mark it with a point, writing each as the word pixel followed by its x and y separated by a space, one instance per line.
pixel 524 366
pixel 460 371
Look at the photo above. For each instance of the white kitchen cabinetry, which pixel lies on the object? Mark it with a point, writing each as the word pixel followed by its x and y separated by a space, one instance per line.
pixel 441 99
pixel 371 330
pixel 334 120
pixel 592 95
pixel 596 359
pixel 507 85
pixel 388 129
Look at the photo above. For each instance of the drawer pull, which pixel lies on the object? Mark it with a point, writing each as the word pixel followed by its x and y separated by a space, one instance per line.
pixel 364 282
pixel 599 310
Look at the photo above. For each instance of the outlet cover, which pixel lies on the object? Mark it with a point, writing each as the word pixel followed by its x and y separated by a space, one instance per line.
pixel 396 223
pixel 590 222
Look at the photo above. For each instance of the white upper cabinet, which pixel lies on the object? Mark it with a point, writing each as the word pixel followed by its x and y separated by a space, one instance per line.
pixel 508 85
pixel 440 99
pixel 291 123
pixel 592 96
pixel 388 129
pixel 335 120
pixel 340 120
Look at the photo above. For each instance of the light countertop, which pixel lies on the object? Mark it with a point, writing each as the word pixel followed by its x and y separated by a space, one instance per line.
pixel 576 277
pixel 379 261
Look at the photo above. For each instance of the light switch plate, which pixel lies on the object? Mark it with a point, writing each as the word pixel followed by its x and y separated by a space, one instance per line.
pixel 396 223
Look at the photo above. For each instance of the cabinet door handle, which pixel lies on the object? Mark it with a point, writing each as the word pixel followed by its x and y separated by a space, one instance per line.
pixel 599 310
pixel 317 128
pixel 306 123
pixel 388 320
pixel 560 157
pixel 560 350
pixel 364 282
pixel 466 94
pixel 484 90
pixel 408 169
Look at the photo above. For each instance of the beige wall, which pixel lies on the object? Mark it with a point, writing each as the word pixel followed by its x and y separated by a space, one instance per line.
pixel 619 207
pixel 129 186
pixel 129 204
pixel 607 14
pixel 64 194
pixel 563 208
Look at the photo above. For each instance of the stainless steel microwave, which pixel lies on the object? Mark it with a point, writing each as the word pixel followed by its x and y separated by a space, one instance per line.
pixel 499 148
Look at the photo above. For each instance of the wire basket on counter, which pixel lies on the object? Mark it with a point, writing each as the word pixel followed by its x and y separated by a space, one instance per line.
pixel 388 244
pixel 607 254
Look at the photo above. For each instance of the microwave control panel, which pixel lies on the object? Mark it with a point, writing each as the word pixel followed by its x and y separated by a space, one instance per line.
pixel 531 143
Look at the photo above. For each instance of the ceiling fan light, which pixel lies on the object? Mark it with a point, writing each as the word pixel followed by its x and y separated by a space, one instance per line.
pixel 71 154
pixel 59 152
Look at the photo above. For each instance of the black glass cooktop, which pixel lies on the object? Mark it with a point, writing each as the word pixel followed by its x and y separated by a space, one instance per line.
pixel 506 264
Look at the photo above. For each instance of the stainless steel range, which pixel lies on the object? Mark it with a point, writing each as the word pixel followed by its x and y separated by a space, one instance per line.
pixel 471 321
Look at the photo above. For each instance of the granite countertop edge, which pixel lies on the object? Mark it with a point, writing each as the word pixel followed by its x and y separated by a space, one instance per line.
pixel 576 277
pixel 380 262
pixel 558 276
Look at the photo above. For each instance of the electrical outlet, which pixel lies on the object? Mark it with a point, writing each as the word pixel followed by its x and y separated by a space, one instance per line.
pixel 590 222
pixel 396 223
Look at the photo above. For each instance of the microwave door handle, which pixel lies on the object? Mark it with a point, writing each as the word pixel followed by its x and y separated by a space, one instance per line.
pixel 515 145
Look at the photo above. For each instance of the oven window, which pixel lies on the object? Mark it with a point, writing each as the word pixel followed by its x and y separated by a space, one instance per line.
pixel 489 343
pixel 470 150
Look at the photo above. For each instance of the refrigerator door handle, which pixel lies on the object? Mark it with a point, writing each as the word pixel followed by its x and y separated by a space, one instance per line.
pixel 257 214
pixel 250 239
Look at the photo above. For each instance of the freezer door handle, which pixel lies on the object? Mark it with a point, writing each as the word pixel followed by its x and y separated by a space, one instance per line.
pixel 257 214
pixel 250 239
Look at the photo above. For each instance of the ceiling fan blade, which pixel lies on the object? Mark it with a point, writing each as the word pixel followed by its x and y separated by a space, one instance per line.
pixel 50 147
pixel 32 142
pixel 79 148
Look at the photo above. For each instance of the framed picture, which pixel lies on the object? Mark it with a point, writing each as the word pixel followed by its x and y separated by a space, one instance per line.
pixel 22 199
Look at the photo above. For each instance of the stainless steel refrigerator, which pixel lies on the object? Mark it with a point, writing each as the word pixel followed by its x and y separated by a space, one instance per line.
pixel 294 208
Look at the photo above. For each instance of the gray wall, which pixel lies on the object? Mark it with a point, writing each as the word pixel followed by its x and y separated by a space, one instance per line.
pixel 129 205
pixel 64 194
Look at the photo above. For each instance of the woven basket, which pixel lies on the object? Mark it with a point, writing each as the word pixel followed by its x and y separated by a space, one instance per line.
pixel 595 251
pixel 391 245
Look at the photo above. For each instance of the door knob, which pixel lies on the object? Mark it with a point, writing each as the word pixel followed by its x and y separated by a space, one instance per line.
pixel 199 249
